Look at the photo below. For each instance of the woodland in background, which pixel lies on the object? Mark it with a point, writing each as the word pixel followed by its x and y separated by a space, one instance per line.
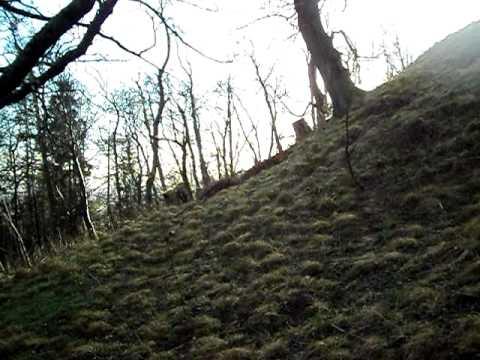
pixel 70 165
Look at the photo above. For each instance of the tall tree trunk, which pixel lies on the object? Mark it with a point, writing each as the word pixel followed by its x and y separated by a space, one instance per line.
pixel 149 187
pixel 118 185
pixel 271 105
pixel 196 129
pixel 328 60
pixel 217 156
pixel 21 245
pixel 109 187
pixel 84 201
pixel 188 141
pixel 41 121
pixel 139 183
pixel 77 168
pixel 229 127
pixel 156 166
pixel 318 98
pixel 246 136
pixel 30 185
pixel 184 170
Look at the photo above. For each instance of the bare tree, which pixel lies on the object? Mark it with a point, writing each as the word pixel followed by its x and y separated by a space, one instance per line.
pixel 254 130
pixel 187 140
pixel 397 58
pixel 194 113
pixel 272 96
pixel 162 101
pixel 17 79
pixel 328 60
pixel 6 214
pixel 66 108
pixel 318 98
pixel 180 137
pixel 30 68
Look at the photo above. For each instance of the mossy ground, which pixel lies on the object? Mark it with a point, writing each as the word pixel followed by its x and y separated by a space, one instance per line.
pixel 296 263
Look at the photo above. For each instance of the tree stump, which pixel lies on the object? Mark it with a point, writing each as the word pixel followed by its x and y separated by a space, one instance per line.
pixel 301 130
pixel 177 196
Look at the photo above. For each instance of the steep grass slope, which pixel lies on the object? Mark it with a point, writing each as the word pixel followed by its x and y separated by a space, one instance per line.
pixel 296 263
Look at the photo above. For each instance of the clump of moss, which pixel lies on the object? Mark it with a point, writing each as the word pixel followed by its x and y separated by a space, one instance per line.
pixel 422 342
pixel 468 335
pixel 326 205
pixel 404 243
pixel 285 198
pixel 207 347
pixel 156 329
pixel 471 273
pixel 410 230
pixel 312 268
pixel 143 300
pixel 232 248
pixel 303 169
pixel 423 301
pixel 272 261
pixel 320 241
pixel 258 249
pixel 98 328
pixel 346 224
pixel 205 325
pixel 335 346
pixel 238 353
pixel 222 237
pixel 321 226
pixel 472 231
pixel 265 318
pixel 244 266
pixel 272 278
pixel 364 265
pixel 277 349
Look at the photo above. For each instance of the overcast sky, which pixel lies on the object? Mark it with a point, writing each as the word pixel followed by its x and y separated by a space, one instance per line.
pixel 419 24
pixel 222 34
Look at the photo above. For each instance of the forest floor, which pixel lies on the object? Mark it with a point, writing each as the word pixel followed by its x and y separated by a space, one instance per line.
pixel 297 262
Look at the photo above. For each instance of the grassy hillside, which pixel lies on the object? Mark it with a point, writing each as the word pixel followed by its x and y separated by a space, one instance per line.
pixel 296 263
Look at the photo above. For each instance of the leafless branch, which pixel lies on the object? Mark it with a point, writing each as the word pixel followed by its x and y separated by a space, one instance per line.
pixel 13 87
pixel 176 34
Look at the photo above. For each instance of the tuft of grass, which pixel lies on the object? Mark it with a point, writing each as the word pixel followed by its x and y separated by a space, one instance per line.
pixel 258 249
pixel 472 232
pixel 468 335
pixel 272 261
pixel 207 347
pixel 277 349
pixel 404 244
pixel 312 268
pixel 423 301
pixel 205 325
pixel 321 226
pixel 232 248
pixel 238 353
pixel 285 198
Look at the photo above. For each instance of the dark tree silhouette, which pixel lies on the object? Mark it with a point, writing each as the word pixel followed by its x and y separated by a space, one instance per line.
pixel 17 79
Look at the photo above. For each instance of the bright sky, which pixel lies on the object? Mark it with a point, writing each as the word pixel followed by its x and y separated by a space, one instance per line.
pixel 418 24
